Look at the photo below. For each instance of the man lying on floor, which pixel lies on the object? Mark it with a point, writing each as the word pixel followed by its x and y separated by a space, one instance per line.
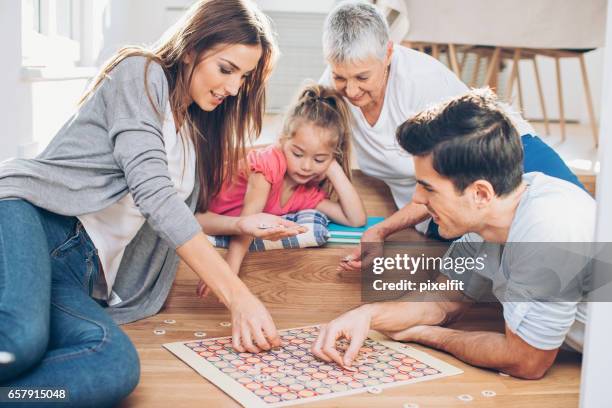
pixel 468 163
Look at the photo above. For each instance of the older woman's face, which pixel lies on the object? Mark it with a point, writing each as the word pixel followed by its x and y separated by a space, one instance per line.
pixel 363 82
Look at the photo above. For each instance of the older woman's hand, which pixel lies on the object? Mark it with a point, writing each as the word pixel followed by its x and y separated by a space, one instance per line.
pixel 268 226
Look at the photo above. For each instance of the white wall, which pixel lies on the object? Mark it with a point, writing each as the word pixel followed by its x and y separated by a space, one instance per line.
pixel 15 95
pixel 34 109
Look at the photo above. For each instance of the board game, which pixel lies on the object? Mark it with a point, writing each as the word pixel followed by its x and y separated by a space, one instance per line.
pixel 292 375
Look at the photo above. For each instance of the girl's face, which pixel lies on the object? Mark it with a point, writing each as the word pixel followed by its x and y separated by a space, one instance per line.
pixel 309 153
pixel 221 73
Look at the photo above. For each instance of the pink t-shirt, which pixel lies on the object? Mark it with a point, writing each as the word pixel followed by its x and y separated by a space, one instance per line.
pixel 270 162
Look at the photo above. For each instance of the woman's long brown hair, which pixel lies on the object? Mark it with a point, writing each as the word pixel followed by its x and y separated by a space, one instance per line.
pixel 219 136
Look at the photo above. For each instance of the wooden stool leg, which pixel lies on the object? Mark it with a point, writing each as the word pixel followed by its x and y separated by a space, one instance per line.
pixel 435 51
pixel 589 100
pixel 513 75
pixel 452 56
pixel 421 48
pixel 541 95
pixel 493 69
pixel 519 87
pixel 560 94
pixel 473 82
pixel 462 63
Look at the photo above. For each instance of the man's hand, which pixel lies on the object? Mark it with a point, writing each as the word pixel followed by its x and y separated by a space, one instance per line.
pixel 352 261
pixel 352 326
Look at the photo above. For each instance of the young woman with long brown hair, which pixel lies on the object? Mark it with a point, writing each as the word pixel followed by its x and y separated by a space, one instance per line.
pixel 97 220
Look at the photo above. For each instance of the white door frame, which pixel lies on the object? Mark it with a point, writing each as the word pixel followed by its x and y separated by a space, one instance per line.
pixel 597 358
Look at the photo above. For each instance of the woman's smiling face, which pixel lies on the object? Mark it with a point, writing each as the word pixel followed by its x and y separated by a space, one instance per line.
pixel 362 82
pixel 221 73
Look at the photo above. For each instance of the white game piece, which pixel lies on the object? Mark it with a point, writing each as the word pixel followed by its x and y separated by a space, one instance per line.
pixel 159 332
pixel 488 393
pixel 374 390
pixel 410 405
pixel 169 321
pixel 504 374
pixel 465 397
pixel 6 357
pixel 348 258
pixel 266 226
pixel 199 334
pixel 225 324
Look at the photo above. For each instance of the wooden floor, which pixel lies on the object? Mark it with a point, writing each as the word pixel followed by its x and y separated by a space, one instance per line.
pixel 302 287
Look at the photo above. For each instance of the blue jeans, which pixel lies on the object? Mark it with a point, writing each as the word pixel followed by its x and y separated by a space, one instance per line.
pixel 59 336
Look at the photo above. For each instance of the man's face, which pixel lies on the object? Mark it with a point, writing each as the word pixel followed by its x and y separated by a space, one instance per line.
pixel 455 213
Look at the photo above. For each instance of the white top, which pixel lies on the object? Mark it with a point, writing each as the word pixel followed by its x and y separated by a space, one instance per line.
pixel 114 227
pixel 557 219
pixel 416 82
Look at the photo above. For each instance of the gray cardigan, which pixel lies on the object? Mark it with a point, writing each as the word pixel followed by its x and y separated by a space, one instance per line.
pixel 114 144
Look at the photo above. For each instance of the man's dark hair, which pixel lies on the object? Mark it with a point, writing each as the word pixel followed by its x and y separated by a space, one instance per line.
pixel 470 138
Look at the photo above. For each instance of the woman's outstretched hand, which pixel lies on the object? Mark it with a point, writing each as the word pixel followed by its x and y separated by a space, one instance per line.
pixel 268 226
pixel 252 327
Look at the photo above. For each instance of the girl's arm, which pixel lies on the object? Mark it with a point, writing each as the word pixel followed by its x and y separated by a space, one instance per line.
pixel 349 209
pixel 255 198
pixel 252 325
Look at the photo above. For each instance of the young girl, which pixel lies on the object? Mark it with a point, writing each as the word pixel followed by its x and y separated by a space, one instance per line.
pixel 308 168
pixel 104 211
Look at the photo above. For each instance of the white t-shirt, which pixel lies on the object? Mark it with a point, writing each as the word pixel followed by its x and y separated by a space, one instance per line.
pixel 534 275
pixel 113 228
pixel 416 82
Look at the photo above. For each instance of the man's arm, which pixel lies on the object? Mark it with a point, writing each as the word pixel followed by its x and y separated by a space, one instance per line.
pixel 506 352
pixel 388 317
pixel 408 216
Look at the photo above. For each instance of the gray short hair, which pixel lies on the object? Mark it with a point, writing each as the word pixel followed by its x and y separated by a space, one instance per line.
pixel 354 31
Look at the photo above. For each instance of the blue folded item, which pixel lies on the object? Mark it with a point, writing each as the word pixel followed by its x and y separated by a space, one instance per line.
pixel 343 234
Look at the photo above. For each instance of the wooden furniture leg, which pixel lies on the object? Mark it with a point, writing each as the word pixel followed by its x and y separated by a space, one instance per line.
pixel 452 56
pixel 493 69
pixel 513 74
pixel 435 51
pixel 560 94
pixel 589 100
pixel 541 96
pixel 474 81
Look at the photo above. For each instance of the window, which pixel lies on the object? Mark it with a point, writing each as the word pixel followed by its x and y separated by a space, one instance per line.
pixel 51 32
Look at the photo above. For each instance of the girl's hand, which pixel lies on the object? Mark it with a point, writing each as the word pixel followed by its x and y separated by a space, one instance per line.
pixel 203 289
pixel 252 327
pixel 268 226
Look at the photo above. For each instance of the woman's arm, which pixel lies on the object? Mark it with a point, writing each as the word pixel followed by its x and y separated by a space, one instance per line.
pixel 252 325
pixel 349 209
pixel 258 189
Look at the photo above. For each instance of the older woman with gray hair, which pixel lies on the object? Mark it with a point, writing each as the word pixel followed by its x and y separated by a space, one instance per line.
pixel 386 84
